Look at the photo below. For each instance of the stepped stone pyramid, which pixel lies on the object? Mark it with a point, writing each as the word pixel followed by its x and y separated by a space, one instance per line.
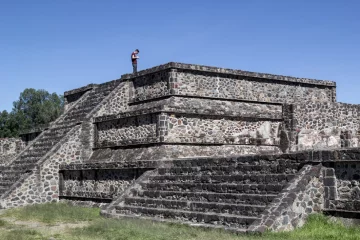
pixel 193 144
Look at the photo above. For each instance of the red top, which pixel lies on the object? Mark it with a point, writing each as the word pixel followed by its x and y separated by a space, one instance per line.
pixel 133 60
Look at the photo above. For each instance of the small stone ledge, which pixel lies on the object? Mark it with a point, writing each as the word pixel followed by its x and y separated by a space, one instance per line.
pixel 246 141
pixel 299 157
pixel 109 165
pixel 106 118
pixel 224 71
pixel 294 203
pixel 187 112
pixel 343 214
pixel 88 195
pixel 344 205
pixel 131 142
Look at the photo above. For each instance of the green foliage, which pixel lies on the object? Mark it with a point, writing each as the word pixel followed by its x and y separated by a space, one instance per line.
pixel 33 108
pixel 53 212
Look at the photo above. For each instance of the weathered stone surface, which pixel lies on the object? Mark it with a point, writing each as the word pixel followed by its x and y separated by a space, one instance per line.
pixel 296 202
pixel 9 148
pixel 196 144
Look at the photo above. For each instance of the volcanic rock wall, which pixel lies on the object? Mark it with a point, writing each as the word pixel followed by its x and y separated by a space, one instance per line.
pixel 9 148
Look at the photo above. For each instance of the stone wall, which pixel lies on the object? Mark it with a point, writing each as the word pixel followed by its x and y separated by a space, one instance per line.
pixel 168 151
pixel 185 128
pixel 184 120
pixel 215 130
pixel 343 186
pixel 42 184
pixel 9 148
pixel 194 83
pixel 72 96
pixel 223 108
pixel 326 125
pixel 96 183
pixel 126 131
pixel 210 82
pixel 348 180
pixel 150 86
pixel 117 101
pixel 303 195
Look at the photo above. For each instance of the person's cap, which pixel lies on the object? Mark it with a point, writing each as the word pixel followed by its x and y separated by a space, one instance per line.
pixel 137 50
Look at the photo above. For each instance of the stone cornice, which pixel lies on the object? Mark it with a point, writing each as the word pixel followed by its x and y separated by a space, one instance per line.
pixel 225 71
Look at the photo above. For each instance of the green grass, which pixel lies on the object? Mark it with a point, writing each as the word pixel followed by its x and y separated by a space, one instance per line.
pixel 2 223
pixel 53 212
pixel 318 227
pixel 21 234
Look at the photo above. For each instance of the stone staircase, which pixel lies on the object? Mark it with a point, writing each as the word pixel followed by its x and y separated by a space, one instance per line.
pixel 28 159
pixel 212 193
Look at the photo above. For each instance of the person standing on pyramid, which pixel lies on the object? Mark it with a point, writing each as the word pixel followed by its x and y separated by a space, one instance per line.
pixel 134 58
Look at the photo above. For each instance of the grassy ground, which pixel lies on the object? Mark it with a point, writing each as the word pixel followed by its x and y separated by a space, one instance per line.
pixel 64 222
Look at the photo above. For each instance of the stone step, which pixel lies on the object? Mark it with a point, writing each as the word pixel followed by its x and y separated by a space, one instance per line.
pixel 75 119
pixel 90 103
pixel 9 171
pixel 26 159
pixel 9 177
pixel 69 122
pixel 241 179
pixel 94 99
pixel 33 151
pixel 214 207
pixel 346 205
pixel 60 130
pixel 234 198
pixel 79 113
pixel 188 216
pixel 3 190
pixel 104 90
pixel 226 170
pixel 202 225
pixel 52 139
pixel 6 184
pixel 46 144
pixel 29 158
pixel 51 135
pixel 219 188
pixel 40 150
pixel 23 167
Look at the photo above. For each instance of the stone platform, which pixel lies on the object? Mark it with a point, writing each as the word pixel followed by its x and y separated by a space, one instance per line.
pixel 175 137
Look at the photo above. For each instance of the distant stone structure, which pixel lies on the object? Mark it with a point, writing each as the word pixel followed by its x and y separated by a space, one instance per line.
pixel 205 146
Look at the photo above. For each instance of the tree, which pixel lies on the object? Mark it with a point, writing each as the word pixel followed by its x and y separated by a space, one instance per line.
pixel 34 108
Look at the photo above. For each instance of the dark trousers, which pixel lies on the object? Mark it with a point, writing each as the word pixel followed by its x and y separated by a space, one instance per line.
pixel 134 67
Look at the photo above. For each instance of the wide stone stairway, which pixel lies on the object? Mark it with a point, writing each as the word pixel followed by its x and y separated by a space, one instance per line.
pixel 226 193
pixel 28 159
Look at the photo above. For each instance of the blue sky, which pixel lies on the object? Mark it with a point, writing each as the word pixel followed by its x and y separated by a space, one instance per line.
pixel 59 45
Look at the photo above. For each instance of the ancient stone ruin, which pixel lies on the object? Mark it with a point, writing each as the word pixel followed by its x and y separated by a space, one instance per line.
pixel 200 145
